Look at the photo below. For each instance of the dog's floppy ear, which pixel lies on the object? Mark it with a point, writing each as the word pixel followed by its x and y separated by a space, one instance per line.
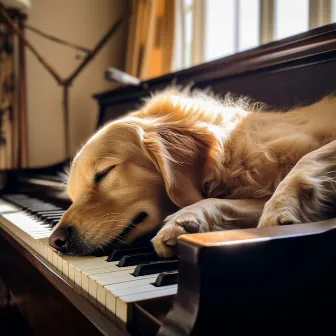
pixel 179 156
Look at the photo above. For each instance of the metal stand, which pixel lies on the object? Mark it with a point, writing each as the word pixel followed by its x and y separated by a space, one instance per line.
pixel 66 83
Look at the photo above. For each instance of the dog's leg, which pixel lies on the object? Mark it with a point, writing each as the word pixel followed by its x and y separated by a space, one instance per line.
pixel 304 194
pixel 210 214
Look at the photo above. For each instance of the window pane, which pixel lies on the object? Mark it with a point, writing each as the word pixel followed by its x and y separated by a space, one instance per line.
pixel 291 17
pixel 219 28
pixel 187 3
pixel 248 24
pixel 188 38
pixel 333 11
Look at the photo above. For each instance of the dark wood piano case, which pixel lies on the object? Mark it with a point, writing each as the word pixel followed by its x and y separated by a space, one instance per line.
pixel 280 74
pixel 212 297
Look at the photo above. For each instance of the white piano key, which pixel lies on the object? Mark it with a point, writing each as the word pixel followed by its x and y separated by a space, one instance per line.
pixel 112 292
pixel 50 255
pixel 92 264
pixel 86 274
pixel 93 288
pixel 96 280
pixel 101 295
pixel 78 277
pixel 102 283
pixel 65 268
pixel 71 272
pixel 20 221
pixel 104 270
pixel 39 235
pixel 70 259
pixel 7 221
pixel 6 207
pixel 5 224
pixel 85 281
pixel 72 266
pixel 81 269
pixel 136 289
pixel 55 259
pixel 45 252
pixel 101 277
pixel 138 281
pixel 123 302
pixel 60 263
pixel 79 259
pixel 43 242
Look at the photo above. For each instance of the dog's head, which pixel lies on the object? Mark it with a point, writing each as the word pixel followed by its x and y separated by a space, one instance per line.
pixel 130 175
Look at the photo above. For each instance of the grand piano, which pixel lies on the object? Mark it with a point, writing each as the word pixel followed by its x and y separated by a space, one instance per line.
pixel 271 281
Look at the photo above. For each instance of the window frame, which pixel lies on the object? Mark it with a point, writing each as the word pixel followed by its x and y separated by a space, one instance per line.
pixel 320 14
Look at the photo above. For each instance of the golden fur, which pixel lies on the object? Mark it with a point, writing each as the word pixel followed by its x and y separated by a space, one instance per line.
pixel 218 162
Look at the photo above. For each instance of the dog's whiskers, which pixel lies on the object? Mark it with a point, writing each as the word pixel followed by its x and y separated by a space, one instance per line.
pixel 119 238
pixel 112 214
pixel 113 220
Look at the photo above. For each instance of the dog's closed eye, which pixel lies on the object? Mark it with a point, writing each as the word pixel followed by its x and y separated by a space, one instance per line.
pixel 100 175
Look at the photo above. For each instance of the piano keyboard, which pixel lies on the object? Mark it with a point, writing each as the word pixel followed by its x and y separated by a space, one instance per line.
pixel 115 281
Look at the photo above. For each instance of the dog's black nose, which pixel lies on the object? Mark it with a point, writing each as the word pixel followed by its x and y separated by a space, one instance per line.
pixel 60 238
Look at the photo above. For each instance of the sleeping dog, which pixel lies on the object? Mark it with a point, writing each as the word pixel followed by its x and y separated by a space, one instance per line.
pixel 187 163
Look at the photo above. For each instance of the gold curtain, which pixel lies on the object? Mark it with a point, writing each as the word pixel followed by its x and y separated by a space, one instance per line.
pixel 151 38
pixel 13 132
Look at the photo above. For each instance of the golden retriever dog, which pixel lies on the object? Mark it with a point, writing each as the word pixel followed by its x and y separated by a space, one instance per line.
pixel 187 163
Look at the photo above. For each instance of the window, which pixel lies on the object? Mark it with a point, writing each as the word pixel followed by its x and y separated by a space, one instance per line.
pixel 333 11
pixel 291 17
pixel 216 28
pixel 188 33
pixel 248 24
pixel 219 28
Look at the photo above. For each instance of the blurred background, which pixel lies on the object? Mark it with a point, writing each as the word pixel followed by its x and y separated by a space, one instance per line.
pixel 160 37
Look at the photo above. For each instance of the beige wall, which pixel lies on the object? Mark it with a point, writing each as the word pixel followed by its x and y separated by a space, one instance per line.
pixel 83 22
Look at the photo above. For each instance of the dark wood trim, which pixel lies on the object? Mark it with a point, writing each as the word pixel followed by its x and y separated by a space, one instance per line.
pixel 229 237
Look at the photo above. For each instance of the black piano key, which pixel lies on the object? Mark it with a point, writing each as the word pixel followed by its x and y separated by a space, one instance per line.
pixel 135 259
pixel 29 202
pixel 51 218
pixel 53 223
pixel 156 267
pixel 34 210
pixel 105 251
pixel 166 279
pixel 47 226
pixel 118 254
pixel 42 214
pixel 47 219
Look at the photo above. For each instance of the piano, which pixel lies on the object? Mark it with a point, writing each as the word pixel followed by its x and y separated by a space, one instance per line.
pixel 271 281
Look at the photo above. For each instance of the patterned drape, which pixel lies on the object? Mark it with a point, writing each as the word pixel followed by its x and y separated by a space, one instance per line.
pixel 13 143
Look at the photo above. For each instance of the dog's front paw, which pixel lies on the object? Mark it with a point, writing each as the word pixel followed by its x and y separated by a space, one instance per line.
pixel 182 222
pixel 280 210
